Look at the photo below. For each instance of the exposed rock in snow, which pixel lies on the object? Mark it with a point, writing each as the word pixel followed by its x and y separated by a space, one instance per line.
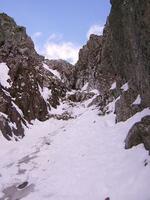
pixel 63 70
pixel 139 133
pixel 80 96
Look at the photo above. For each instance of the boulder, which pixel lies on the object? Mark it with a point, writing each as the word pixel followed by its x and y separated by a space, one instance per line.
pixel 139 133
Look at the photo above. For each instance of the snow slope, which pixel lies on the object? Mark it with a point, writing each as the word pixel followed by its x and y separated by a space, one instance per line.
pixel 79 159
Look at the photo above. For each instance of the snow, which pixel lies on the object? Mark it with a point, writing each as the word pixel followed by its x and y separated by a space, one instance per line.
pixel 54 72
pixel 4 75
pixel 13 125
pixel 113 86
pixel 18 109
pixel 4 115
pixel 79 159
pixel 45 93
pixel 71 92
pixel 60 109
pixel 137 100
pixel 85 87
pixel 125 87
pixel 95 91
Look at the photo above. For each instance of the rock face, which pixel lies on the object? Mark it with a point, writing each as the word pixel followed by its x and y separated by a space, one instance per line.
pixel 33 89
pixel 65 69
pixel 80 96
pixel 87 65
pixel 129 30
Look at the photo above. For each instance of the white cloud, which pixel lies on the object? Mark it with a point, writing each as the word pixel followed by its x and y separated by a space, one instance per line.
pixel 36 35
pixel 55 37
pixel 56 48
pixel 65 50
pixel 95 29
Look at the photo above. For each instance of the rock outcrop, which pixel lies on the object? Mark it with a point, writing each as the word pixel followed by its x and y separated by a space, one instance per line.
pixel 66 71
pixel 87 66
pixel 14 123
pixel 32 88
pixel 139 133
pixel 129 40
pixel 80 96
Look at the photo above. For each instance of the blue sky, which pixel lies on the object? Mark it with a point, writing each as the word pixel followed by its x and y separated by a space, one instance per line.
pixel 58 22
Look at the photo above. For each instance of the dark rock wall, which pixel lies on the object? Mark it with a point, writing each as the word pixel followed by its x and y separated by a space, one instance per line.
pixel 65 69
pixel 13 124
pixel 86 67
pixel 139 133
pixel 130 43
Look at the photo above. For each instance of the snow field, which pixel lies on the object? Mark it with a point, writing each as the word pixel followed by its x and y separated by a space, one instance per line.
pixel 79 159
